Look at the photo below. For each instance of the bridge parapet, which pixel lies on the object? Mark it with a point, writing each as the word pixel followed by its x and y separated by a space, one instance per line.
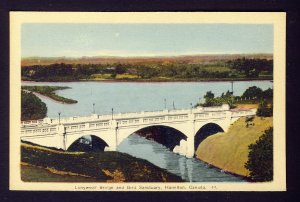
pixel 95 121
pixel 39 130
pixel 243 112
pixel 78 119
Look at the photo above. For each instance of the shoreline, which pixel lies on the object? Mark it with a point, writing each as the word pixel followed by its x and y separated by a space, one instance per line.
pixel 153 81
pixel 248 179
pixel 47 97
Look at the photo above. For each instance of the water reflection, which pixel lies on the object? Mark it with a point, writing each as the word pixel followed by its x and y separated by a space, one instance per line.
pixel 189 169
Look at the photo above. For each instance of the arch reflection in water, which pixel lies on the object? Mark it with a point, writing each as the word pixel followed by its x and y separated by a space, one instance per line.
pixel 192 170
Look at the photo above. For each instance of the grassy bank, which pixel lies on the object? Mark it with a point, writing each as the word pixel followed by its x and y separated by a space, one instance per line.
pixel 32 173
pixel 49 91
pixel 92 166
pixel 229 151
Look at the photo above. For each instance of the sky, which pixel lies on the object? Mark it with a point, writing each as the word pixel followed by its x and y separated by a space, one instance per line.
pixel 78 40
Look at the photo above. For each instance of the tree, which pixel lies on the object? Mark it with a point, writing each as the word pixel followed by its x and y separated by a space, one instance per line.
pixel 32 107
pixel 209 95
pixel 264 110
pixel 209 99
pixel 260 158
pixel 267 94
pixel 252 67
pixel 252 91
pixel 121 69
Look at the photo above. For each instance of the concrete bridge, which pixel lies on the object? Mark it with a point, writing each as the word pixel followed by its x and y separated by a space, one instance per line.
pixel 113 129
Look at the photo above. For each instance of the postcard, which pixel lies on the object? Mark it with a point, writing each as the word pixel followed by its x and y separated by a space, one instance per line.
pixel 152 101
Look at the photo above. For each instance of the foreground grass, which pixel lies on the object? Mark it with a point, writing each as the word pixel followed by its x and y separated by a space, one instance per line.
pixel 92 166
pixel 49 91
pixel 229 151
pixel 32 173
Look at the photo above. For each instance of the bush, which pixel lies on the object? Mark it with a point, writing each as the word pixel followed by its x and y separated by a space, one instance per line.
pixel 264 110
pixel 260 158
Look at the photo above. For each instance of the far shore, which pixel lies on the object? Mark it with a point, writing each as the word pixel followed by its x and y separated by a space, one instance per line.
pixel 153 81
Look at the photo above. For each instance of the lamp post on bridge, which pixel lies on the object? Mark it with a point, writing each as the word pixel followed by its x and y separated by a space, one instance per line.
pixel 232 98
pixel 112 113
pixel 93 108
pixel 59 118
pixel 165 103
pixel 117 127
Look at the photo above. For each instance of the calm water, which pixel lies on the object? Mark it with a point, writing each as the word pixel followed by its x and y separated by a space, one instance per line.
pixel 131 97
pixel 190 169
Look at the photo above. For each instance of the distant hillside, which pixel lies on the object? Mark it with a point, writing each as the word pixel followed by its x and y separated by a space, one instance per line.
pixel 189 59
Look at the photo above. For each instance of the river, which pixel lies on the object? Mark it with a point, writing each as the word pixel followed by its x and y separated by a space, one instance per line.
pixel 135 96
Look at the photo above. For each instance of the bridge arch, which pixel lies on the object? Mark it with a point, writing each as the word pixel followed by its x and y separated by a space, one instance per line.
pixel 87 143
pixel 205 131
pixel 166 135
pixel 103 137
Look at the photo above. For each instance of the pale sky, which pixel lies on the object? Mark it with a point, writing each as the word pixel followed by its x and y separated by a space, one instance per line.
pixel 77 40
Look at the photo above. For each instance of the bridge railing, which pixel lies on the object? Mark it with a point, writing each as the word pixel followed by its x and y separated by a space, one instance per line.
pixel 243 112
pixel 87 126
pixel 38 131
pixel 122 116
pixel 32 122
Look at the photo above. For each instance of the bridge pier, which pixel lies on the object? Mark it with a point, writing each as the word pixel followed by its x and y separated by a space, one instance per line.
pixel 113 146
pixel 62 137
pixel 186 147
pixel 190 151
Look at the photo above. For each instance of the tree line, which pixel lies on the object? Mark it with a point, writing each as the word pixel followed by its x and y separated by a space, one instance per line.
pixel 252 67
pixel 240 68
